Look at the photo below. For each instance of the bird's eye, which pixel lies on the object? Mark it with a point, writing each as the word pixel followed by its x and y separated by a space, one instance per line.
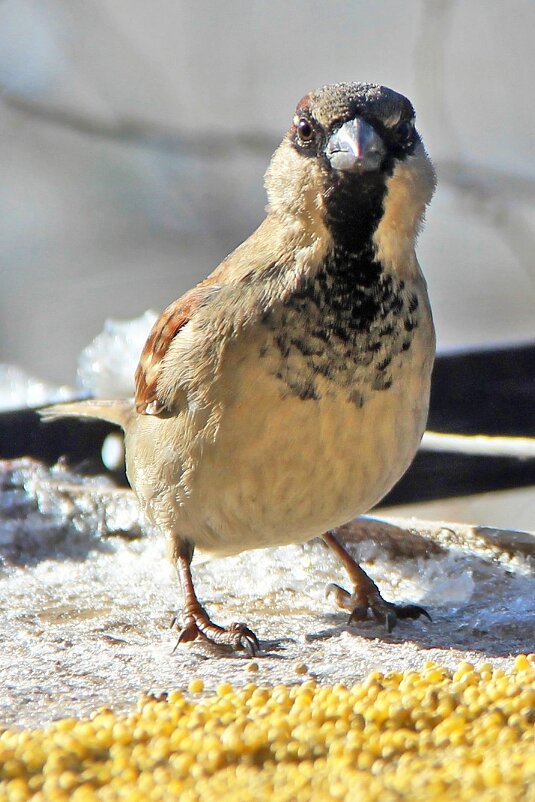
pixel 305 130
pixel 404 131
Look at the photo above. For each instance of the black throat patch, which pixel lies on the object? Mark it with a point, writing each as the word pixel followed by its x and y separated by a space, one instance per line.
pixel 354 205
pixel 341 330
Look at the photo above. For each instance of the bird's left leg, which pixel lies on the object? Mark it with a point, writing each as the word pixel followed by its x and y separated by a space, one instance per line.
pixel 195 619
pixel 366 595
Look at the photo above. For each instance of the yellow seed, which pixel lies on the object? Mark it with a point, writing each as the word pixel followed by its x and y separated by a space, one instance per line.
pixel 522 663
pixel 300 668
pixel 491 776
pixel 17 789
pixel 393 736
pixel 252 668
pixel 67 780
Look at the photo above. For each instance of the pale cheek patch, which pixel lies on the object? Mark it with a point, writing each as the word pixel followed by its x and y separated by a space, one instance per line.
pixel 295 192
pixel 408 191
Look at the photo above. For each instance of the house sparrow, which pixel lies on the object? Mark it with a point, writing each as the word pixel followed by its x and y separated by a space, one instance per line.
pixel 287 392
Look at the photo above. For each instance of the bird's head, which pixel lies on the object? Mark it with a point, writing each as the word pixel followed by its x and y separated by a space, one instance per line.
pixel 351 163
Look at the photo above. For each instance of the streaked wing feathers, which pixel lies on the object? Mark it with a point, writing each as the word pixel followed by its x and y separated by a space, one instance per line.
pixel 166 328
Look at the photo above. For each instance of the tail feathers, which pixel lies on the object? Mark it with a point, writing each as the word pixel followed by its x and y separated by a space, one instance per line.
pixel 115 411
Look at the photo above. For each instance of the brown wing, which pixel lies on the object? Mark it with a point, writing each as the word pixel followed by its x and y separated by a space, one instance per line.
pixel 168 325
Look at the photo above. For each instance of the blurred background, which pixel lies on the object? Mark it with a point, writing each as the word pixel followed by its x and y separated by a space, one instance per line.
pixel 134 136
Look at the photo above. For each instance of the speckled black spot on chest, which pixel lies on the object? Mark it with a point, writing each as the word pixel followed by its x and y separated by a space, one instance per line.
pixel 342 331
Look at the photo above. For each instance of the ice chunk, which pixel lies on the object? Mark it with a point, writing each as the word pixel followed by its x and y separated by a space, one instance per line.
pixel 20 389
pixel 106 368
pixel 107 365
pixel 46 511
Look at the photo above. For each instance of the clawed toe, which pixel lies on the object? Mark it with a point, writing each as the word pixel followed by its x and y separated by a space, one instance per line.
pixel 360 605
pixel 411 611
pixel 244 638
pixel 238 637
pixel 389 614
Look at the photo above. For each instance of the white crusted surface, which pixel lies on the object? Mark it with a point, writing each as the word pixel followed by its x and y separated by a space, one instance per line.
pixel 86 611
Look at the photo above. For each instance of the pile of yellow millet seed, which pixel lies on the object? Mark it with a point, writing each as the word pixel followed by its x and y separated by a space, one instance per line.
pixel 428 735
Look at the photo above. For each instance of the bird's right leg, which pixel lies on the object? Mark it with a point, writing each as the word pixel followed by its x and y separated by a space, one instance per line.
pixel 196 623
pixel 366 595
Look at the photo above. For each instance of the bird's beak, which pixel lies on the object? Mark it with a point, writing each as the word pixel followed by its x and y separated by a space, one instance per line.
pixel 355 147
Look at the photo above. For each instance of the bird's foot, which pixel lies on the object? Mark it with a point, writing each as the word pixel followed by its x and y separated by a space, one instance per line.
pixel 366 596
pixel 368 599
pixel 199 626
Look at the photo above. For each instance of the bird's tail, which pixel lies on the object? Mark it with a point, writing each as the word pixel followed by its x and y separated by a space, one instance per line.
pixel 115 411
